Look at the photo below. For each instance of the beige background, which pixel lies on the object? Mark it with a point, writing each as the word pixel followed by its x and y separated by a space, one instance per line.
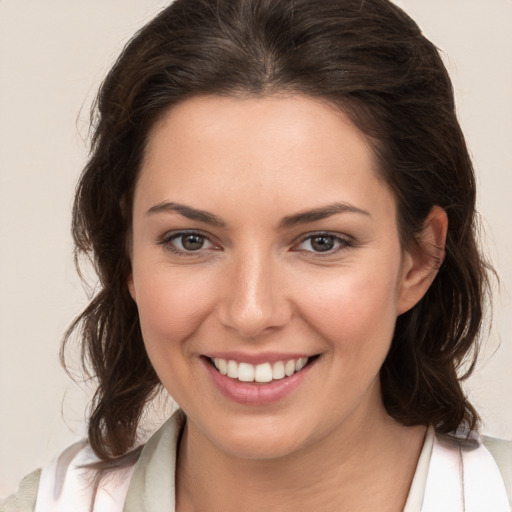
pixel 53 54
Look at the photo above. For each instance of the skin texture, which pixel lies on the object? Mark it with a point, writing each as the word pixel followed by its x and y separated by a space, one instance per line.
pixel 257 286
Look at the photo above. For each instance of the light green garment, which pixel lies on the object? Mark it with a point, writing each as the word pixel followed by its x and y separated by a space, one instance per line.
pixel 502 454
pixel 152 485
pixel 25 498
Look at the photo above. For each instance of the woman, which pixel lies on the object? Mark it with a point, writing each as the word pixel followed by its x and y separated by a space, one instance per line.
pixel 280 208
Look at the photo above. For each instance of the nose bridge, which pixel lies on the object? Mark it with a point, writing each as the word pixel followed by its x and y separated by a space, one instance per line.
pixel 255 301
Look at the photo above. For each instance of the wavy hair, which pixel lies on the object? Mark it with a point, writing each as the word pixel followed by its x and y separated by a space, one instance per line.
pixel 366 58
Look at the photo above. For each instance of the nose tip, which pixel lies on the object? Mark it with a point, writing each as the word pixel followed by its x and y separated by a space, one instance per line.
pixel 252 318
pixel 255 303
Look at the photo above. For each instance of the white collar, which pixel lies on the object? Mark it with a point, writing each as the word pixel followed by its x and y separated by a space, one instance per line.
pixel 450 477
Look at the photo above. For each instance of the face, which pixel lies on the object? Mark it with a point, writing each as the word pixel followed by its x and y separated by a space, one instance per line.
pixel 267 271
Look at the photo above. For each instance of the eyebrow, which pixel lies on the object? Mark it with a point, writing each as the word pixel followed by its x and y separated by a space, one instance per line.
pixel 296 219
pixel 188 212
pixel 320 213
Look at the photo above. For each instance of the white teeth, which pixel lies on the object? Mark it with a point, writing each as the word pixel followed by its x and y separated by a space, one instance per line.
pixel 289 367
pixel 300 363
pixel 264 372
pixel 232 370
pixel 278 370
pixel 245 372
pixel 222 365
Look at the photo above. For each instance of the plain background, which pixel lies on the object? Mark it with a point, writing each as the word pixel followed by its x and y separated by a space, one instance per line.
pixel 53 55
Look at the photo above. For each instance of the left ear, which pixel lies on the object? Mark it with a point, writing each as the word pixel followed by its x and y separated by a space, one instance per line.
pixel 421 264
pixel 131 287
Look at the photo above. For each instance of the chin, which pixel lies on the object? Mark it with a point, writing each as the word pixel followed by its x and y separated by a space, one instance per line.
pixel 264 446
pixel 257 437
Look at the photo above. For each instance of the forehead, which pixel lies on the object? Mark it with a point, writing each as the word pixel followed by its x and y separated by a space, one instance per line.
pixel 259 122
pixel 282 148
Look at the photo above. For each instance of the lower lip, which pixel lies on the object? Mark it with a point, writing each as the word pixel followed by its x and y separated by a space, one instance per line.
pixel 253 393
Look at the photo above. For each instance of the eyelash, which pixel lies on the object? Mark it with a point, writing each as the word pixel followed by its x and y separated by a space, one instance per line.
pixel 340 242
pixel 167 242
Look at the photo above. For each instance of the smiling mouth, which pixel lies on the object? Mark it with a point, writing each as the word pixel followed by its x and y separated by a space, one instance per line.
pixel 260 373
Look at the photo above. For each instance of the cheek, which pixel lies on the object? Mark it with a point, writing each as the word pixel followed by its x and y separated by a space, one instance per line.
pixel 353 309
pixel 171 307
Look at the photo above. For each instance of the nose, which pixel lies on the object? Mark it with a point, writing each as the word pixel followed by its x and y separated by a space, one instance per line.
pixel 255 301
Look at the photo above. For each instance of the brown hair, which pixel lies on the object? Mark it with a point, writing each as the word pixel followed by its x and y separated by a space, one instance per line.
pixel 365 57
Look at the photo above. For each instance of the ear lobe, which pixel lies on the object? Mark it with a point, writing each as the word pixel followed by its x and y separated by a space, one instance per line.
pixel 421 265
pixel 131 287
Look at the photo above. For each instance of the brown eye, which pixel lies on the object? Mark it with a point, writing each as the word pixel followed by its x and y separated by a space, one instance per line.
pixel 187 242
pixel 192 242
pixel 322 243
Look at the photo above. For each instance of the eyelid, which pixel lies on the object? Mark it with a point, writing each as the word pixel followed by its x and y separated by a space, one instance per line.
pixel 167 239
pixel 345 241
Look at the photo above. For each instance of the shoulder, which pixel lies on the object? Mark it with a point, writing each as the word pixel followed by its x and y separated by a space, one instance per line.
pixel 69 483
pixel 464 474
pixel 501 452
pixel 24 499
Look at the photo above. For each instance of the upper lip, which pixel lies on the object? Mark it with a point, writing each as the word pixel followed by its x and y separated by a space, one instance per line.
pixel 263 357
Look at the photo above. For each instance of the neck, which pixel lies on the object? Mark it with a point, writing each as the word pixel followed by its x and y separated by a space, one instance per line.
pixel 355 469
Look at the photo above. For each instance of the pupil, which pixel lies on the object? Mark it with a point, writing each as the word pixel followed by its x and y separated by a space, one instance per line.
pixel 322 243
pixel 193 242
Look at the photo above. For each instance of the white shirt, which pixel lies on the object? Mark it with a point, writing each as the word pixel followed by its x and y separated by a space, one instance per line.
pixel 450 477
